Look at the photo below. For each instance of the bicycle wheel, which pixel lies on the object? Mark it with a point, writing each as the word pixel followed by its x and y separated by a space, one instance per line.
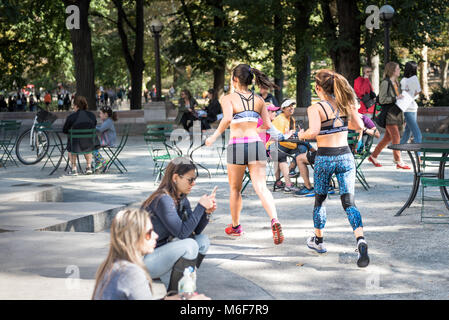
pixel 31 151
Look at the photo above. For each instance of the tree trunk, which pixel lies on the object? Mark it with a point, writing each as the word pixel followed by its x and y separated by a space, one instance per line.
pixel 220 67
pixel 444 68
pixel 219 79
pixel 303 89
pixel 134 62
pixel 348 61
pixel 423 67
pixel 278 49
pixel 303 53
pixel 375 77
pixel 82 55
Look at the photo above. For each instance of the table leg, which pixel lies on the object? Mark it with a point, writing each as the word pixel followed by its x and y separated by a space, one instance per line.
pixel 62 150
pixel 196 163
pixel 415 188
pixel 443 189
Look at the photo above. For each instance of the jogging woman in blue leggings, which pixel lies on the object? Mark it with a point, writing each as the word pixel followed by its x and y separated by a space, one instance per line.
pixel 329 121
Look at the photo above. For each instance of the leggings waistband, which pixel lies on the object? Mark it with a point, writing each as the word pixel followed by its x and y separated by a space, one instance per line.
pixel 328 151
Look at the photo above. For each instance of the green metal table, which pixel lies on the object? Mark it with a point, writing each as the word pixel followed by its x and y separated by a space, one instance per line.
pixel 413 150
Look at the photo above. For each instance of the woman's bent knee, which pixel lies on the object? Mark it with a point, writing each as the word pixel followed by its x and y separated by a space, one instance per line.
pixel 203 243
pixel 191 248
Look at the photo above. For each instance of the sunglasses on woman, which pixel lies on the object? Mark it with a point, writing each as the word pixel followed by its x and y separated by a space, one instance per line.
pixel 190 180
pixel 148 234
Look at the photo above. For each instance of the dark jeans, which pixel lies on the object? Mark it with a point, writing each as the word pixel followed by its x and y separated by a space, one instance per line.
pixel 187 120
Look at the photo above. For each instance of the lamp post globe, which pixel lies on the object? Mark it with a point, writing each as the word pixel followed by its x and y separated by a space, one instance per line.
pixel 386 14
pixel 156 28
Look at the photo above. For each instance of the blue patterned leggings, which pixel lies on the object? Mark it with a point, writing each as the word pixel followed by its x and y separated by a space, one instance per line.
pixel 340 162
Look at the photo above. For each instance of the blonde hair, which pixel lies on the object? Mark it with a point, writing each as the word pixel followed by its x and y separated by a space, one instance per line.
pixel 336 86
pixel 390 68
pixel 128 231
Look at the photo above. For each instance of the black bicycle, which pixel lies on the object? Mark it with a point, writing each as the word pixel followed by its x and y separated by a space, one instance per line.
pixel 33 144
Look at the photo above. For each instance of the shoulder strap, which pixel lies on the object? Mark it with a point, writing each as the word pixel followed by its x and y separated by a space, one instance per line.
pixel 324 109
pixel 246 106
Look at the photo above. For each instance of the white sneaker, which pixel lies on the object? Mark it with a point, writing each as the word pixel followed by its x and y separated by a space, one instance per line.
pixel 363 259
pixel 72 172
pixel 317 247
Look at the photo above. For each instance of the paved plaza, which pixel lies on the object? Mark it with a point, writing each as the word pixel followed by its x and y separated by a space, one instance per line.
pixel 53 236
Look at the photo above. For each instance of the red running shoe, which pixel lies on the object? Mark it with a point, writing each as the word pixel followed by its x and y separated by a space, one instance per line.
pixel 236 232
pixel 278 236
pixel 371 159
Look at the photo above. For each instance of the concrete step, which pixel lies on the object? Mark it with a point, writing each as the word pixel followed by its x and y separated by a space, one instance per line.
pixel 14 190
pixel 57 216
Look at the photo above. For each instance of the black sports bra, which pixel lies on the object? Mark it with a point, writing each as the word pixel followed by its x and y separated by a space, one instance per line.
pixel 328 125
pixel 248 114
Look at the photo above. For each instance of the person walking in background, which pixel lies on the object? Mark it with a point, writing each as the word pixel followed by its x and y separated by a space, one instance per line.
pixel 11 104
pixel 123 275
pixel 410 84
pixel 181 240
pixel 47 99
pixel 329 121
pixel 186 110
pixel 389 92
pixel 67 102
pixel 242 110
pixel 3 105
pixel 364 91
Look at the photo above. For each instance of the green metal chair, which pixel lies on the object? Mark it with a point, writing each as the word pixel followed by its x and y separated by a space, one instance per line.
pixel 9 132
pixel 360 155
pixel 86 134
pixel 114 152
pixel 431 179
pixel 156 139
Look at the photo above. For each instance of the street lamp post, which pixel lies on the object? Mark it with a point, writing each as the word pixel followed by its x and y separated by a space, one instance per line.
pixel 386 13
pixel 156 29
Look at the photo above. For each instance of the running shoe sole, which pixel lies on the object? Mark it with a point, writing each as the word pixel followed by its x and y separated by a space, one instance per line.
pixel 232 233
pixel 319 251
pixel 278 236
pixel 363 260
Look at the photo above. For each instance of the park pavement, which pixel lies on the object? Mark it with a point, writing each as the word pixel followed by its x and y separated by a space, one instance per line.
pixel 53 236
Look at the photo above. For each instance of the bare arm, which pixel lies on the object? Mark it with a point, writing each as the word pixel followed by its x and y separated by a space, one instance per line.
pixel 314 124
pixel 224 123
pixel 265 117
pixel 355 122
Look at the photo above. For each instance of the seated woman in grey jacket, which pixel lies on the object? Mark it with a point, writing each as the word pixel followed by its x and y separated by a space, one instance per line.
pixel 123 276
pixel 108 135
pixel 181 243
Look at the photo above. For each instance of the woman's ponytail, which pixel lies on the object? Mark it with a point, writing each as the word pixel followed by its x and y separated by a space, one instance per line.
pixel 246 74
pixel 344 94
pixel 337 87
pixel 262 80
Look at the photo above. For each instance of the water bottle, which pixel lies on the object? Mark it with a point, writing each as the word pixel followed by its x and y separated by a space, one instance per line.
pixel 187 284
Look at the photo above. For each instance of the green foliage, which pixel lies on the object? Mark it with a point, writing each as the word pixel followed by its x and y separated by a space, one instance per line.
pixel 33 42
pixel 440 97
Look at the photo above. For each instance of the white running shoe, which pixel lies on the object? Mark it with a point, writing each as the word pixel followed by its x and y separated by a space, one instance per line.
pixel 363 259
pixel 317 247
